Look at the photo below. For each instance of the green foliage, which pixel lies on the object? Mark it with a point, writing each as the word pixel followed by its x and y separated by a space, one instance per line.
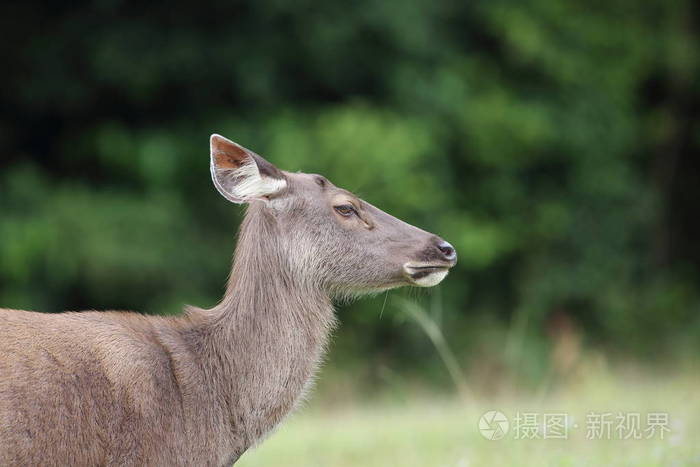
pixel 551 142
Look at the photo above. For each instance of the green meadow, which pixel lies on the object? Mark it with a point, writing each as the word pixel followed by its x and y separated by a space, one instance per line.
pixel 444 431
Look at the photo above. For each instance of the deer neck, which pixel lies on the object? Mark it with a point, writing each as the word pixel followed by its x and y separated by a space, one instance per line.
pixel 268 333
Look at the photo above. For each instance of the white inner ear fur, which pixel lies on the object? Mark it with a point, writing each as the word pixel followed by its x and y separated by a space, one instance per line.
pixel 245 183
pixel 250 184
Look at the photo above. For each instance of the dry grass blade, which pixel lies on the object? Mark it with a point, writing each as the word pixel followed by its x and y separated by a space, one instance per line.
pixel 436 336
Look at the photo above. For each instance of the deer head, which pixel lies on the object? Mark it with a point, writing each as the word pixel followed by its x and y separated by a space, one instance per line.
pixel 325 234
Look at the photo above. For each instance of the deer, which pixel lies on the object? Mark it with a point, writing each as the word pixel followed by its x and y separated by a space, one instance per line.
pixel 120 388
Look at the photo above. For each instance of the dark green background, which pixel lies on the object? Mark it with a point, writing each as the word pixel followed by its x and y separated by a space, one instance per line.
pixel 553 142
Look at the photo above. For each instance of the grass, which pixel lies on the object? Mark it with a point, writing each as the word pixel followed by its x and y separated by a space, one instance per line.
pixel 443 431
pixel 410 427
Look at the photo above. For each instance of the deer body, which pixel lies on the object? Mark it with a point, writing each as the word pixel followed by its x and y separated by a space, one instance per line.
pixel 120 388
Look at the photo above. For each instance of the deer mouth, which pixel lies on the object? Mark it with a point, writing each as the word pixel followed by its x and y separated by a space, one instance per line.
pixel 425 275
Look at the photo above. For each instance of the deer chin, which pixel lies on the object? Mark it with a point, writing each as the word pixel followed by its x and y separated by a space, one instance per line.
pixel 425 275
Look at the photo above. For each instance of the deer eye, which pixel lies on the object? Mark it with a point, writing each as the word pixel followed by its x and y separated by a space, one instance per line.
pixel 345 210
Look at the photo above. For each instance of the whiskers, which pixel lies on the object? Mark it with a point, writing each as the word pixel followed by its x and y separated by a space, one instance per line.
pixel 386 295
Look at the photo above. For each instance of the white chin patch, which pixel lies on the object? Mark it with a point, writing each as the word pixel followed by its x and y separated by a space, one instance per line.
pixel 431 279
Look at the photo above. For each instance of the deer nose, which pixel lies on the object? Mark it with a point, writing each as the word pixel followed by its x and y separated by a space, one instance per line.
pixel 448 251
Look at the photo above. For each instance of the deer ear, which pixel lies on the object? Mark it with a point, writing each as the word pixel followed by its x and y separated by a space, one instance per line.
pixel 240 175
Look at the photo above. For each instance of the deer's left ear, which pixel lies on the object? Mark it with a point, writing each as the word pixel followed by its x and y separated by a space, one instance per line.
pixel 240 175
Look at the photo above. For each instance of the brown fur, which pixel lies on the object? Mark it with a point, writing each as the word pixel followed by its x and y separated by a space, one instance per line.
pixel 120 388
